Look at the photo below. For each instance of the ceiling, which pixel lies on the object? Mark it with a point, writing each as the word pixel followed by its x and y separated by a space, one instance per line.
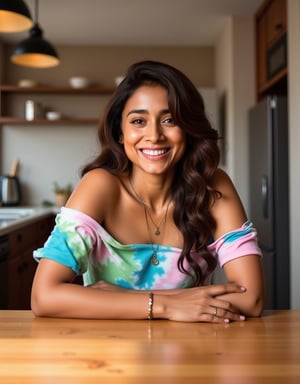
pixel 135 22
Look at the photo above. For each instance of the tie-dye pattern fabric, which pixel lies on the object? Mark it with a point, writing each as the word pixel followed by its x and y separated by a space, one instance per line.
pixel 241 242
pixel 83 245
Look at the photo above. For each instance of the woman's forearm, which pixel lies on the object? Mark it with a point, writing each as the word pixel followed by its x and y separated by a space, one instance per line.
pixel 195 304
pixel 248 304
pixel 70 300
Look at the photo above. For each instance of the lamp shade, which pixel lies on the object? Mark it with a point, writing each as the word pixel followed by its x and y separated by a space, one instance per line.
pixel 14 16
pixel 35 51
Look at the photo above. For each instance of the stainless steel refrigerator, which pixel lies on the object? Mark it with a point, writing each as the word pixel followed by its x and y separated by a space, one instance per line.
pixel 269 194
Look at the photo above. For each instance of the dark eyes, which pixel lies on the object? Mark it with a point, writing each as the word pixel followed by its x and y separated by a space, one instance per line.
pixel 137 121
pixel 166 121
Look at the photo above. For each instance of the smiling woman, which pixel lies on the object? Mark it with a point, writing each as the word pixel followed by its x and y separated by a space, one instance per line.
pixel 152 216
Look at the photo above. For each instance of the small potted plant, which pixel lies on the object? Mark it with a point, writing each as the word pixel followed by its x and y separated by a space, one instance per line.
pixel 62 193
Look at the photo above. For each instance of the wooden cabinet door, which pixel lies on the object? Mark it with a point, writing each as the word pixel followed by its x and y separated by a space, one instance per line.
pixel 3 283
pixel 276 20
pixel 15 288
pixel 261 48
pixel 271 26
pixel 20 264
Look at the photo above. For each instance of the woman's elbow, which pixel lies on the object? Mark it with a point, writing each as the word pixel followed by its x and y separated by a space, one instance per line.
pixel 37 307
pixel 255 307
pixel 40 305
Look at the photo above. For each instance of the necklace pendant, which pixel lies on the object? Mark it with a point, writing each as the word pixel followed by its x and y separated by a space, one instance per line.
pixel 154 259
pixel 157 232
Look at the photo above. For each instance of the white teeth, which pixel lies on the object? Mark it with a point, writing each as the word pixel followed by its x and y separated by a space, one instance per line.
pixel 154 152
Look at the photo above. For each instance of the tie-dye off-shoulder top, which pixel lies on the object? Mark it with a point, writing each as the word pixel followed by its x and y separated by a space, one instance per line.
pixel 81 243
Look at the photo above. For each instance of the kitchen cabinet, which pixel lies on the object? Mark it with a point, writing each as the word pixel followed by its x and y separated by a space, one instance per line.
pixel 10 92
pixel 276 15
pixel 271 55
pixel 19 266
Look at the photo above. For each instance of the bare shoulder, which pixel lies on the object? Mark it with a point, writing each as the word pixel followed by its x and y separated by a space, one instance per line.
pixel 228 210
pixel 97 191
pixel 100 178
pixel 222 182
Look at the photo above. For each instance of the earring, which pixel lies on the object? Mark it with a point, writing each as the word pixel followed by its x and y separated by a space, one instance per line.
pixel 121 139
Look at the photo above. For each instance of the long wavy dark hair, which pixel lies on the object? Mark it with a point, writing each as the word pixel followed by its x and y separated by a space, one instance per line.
pixel 191 191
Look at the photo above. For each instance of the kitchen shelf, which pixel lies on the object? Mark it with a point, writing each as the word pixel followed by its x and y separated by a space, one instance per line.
pixel 7 90
pixel 19 120
pixel 57 90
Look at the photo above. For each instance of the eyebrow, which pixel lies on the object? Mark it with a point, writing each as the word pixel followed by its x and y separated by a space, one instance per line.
pixel 137 111
pixel 163 111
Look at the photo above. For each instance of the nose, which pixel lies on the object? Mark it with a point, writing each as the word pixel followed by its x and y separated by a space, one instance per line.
pixel 154 132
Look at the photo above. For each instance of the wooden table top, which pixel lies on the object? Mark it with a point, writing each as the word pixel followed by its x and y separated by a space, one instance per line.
pixel 52 351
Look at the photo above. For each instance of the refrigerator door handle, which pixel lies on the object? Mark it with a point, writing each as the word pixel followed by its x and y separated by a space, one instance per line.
pixel 264 196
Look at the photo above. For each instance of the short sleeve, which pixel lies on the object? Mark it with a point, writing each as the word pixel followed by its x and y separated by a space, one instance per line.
pixel 237 243
pixel 71 241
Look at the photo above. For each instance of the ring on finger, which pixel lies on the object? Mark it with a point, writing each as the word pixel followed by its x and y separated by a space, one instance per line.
pixel 216 311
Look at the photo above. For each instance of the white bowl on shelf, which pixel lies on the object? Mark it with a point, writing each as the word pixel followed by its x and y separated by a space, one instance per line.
pixel 27 83
pixel 79 82
pixel 53 115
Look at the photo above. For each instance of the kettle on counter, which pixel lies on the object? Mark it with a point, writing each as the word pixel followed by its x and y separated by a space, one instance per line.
pixel 10 189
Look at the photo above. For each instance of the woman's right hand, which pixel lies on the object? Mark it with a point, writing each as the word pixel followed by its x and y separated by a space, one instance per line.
pixel 199 304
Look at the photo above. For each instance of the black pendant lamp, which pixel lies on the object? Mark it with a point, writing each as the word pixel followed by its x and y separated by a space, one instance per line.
pixel 35 51
pixel 14 16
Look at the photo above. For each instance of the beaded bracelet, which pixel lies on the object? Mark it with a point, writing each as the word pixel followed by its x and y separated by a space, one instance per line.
pixel 150 306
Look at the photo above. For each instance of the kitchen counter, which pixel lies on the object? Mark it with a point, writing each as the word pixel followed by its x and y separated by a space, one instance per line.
pixel 12 218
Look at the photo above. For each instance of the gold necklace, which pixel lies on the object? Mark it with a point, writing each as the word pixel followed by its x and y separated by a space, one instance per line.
pixel 157 227
pixel 147 212
pixel 154 259
pixel 157 232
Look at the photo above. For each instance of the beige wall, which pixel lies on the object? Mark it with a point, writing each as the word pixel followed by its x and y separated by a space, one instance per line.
pixel 235 80
pixel 224 84
pixel 243 99
pixel 294 142
pixel 49 153
pixel 102 64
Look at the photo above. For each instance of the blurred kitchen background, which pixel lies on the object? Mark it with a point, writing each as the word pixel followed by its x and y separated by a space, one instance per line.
pixel 214 42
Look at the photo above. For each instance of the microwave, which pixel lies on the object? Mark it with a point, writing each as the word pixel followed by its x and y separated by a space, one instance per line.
pixel 277 57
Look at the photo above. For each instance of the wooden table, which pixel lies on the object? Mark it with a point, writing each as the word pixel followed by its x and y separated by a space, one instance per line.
pixel 53 351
